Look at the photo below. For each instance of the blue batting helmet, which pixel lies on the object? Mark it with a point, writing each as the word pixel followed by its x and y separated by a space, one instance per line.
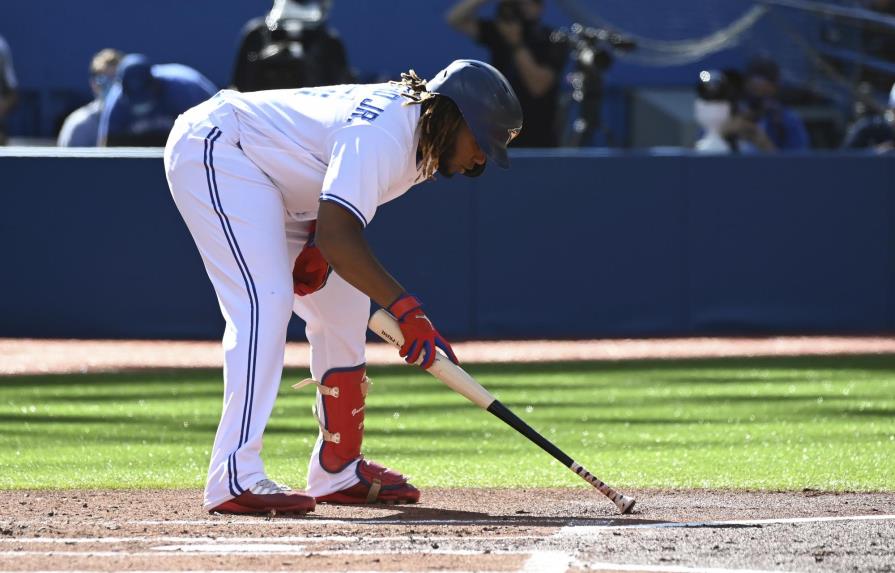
pixel 487 102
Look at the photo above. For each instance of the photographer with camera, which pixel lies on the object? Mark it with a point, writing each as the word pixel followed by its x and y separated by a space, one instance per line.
pixel 520 47
pixel 293 46
pixel 762 123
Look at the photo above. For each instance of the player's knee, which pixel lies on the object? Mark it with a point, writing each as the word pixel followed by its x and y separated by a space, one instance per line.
pixel 336 327
pixel 276 302
pixel 266 308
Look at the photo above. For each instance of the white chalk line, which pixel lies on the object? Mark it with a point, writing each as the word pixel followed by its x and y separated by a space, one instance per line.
pixel 772 521
pixel 547 562
pixel 235 548
pixel 538 562
pixel 256 571
pixel 278 539
pixel 289 521
pixel 597 566
pixel 601 566
pixel 262 549
pixel 546 522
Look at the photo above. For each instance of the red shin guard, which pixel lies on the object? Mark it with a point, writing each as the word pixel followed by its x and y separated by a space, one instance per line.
pixel 343 392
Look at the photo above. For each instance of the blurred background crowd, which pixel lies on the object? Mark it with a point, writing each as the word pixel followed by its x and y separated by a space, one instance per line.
pixel 731 76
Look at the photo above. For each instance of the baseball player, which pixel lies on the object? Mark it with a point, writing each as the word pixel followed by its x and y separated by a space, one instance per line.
pixel 276 188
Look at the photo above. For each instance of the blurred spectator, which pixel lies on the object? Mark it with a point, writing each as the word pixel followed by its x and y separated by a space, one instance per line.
pixel 713 108
pixel 876 131
pixel 81 127
pixel 762 123
pixel 520 47
pixel 882 6
pixel 9 93
pixel 145 100
pixel 878 41
pixel 291 47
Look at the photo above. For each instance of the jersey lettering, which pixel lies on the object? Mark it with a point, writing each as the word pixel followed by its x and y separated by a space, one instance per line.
pixel 366 110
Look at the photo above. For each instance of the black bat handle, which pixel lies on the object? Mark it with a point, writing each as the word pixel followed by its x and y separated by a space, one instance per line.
pixel 623 502
pixel 505 414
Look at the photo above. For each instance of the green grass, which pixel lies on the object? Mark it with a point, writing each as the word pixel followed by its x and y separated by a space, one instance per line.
pixel 822 423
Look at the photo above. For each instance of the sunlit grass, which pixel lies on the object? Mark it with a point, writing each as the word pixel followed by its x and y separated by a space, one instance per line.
pixel 822 423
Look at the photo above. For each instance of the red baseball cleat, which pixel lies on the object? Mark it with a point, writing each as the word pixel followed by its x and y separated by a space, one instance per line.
pixel 267 496
pixel 377 485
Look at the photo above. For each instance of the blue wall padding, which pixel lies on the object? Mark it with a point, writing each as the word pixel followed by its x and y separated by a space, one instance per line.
pixel 572 247
pixel 800 244
pixel 96 248
pixel 562 245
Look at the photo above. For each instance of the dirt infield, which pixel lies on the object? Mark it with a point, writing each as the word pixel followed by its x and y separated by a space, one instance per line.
pixel 552 530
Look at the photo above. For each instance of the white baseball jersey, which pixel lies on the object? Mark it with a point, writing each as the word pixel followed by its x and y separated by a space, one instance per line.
pixel 351 144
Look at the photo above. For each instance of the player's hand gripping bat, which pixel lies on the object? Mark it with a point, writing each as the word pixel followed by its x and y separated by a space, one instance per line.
pixel 385 326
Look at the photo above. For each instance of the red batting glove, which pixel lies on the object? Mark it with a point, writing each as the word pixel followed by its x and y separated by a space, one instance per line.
pixel 420 336
pixel 311 270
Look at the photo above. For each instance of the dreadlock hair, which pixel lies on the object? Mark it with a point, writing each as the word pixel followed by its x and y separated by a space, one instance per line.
pixel 440 120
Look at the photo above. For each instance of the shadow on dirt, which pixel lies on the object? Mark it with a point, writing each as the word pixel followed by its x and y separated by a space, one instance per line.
pixel 410 514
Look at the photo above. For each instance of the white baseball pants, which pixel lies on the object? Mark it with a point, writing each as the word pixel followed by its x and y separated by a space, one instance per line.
pixel 248 243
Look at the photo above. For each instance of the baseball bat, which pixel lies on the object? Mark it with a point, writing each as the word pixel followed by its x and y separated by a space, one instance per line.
pixel 386 327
